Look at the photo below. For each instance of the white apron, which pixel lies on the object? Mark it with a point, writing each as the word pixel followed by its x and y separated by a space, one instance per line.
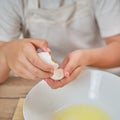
pixel 67 25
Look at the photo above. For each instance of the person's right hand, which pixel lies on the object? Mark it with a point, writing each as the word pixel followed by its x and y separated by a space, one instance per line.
pixel 23 60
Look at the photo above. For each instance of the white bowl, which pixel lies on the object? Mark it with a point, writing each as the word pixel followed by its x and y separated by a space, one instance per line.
pixel 95 87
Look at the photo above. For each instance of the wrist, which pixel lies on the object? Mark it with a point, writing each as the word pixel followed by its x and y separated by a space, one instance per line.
pixel 90 57
pixel 3 60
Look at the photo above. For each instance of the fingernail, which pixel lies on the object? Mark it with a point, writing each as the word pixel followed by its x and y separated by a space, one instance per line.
pixel 67 74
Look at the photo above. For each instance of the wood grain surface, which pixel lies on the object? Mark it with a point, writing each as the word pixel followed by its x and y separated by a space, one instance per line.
pixel 10 93
pixel 18 114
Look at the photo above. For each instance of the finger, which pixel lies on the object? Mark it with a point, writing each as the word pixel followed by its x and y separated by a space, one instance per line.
pixel 35 71
pixel 42 44
pixel 64 81
pixel 53 83
pixel 22 72
pixel 33 57
pixel 69 68
pixel 63 64
pixel 72 77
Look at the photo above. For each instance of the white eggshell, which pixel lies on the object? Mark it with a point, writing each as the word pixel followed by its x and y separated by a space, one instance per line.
pixel 45 56
pixel 58 73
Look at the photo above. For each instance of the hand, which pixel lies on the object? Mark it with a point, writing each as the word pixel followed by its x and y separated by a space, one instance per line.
pixel 72 65
pixel 23 60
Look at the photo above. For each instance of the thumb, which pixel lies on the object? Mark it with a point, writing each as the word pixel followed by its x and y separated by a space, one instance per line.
pixel 64 63
pixel 69 68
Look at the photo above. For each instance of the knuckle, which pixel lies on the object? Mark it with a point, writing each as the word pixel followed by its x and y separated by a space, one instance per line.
pixel 47 68
pixel 35 61
pixel 44 42
pixel 47 75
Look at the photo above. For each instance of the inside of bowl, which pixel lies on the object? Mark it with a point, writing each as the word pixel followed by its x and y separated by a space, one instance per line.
pixel 92 87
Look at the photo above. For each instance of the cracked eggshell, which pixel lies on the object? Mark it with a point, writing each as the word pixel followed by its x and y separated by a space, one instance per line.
pixel 58 74
pixel 45 56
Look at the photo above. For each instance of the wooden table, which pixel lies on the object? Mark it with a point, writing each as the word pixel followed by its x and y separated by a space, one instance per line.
pixel 10 92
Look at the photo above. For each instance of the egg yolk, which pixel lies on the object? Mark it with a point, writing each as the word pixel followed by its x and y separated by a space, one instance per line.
pixel 81 112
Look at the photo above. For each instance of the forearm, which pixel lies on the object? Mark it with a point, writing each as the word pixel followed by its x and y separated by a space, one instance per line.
pixel 2 43
pixel 4 69
pixel 104 57
pixel 4 73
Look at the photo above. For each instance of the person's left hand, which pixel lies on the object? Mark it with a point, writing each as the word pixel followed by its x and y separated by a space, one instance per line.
pixel 72 66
